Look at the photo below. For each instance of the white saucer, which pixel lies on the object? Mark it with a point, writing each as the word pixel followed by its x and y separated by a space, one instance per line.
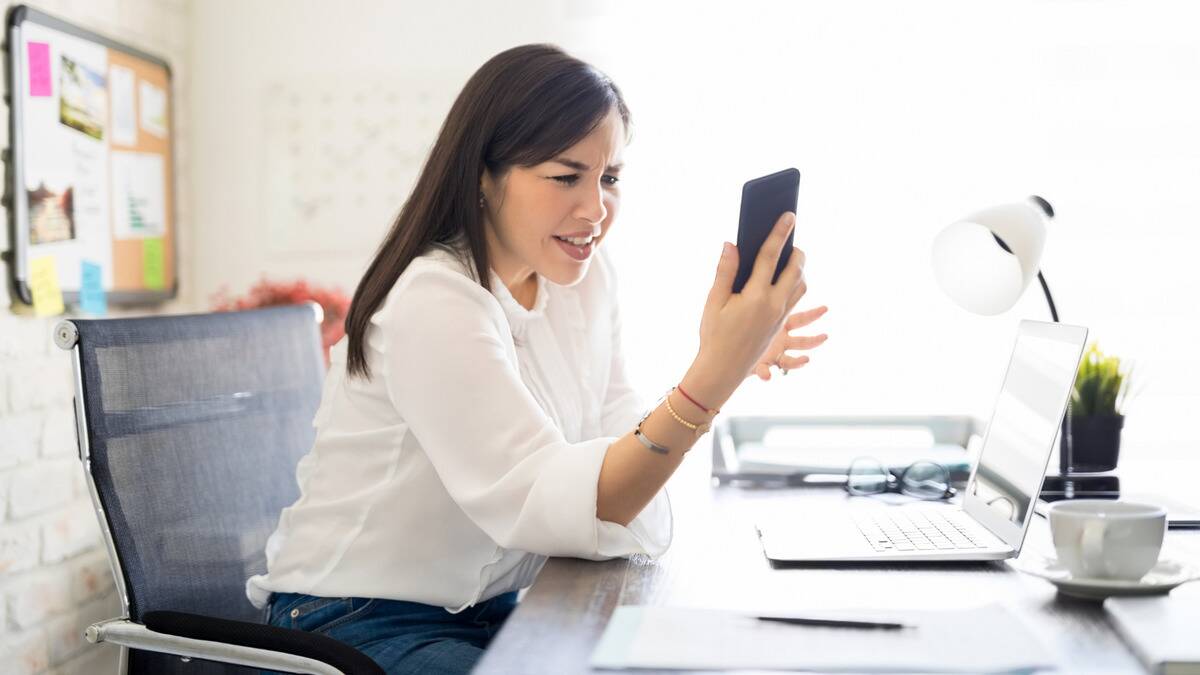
pixel 1164 576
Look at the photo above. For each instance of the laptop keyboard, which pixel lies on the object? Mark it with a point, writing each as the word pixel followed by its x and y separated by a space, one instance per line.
pixel 919 531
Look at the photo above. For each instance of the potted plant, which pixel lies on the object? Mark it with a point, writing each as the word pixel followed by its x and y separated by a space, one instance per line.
pixel 1096 413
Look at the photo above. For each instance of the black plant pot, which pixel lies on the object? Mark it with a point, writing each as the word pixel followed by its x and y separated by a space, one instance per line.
pixel 1094 443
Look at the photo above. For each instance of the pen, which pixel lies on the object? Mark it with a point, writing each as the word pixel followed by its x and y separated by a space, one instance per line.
pixel 841 623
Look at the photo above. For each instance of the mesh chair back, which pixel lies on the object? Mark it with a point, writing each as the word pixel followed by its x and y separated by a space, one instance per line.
pixel 195 424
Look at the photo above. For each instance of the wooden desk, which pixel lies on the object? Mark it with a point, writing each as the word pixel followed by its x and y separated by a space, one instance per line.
pixel 715 560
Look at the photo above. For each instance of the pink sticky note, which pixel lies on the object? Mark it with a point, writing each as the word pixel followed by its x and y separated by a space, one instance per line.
pixel 39 69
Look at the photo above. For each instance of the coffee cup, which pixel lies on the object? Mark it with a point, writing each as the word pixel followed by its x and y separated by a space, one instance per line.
pixel 1105 539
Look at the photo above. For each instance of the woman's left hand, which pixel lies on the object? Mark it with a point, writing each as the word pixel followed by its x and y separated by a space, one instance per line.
pixel 776 353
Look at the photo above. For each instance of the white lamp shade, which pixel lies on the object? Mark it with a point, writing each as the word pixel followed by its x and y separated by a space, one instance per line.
pixel 972 268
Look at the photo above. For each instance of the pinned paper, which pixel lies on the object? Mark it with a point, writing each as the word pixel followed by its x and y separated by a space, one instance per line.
pixel 92 298
pixel 43 284
pixel 152 264
pixel 39 69
pixel 153 108
pixel 138 191
pixel 124 108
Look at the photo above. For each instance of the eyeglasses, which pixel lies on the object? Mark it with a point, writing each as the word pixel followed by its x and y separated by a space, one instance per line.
pixel 921 479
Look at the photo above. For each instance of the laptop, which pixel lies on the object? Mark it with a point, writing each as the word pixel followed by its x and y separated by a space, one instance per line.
pixel 1001 492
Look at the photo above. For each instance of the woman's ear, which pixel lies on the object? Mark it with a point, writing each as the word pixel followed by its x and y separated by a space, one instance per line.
pixel 487 185
pixel 492 187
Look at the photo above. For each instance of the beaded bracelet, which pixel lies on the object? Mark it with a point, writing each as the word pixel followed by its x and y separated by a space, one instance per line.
pixel 699 429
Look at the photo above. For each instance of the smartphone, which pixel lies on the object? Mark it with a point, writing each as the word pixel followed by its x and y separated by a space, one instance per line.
pixel 764 200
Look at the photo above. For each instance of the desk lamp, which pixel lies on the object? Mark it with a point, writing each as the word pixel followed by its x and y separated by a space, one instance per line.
pixel 984 262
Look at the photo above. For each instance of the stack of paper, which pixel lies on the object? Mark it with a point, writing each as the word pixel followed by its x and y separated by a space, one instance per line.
pixel 988 639
pixel 825 449
pixel 761 458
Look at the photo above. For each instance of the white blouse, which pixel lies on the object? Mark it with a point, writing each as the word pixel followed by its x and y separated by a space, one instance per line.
pixel 466 459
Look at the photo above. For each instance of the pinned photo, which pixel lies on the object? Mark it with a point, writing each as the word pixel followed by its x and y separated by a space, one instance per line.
pixel 83 101
pixel 51 214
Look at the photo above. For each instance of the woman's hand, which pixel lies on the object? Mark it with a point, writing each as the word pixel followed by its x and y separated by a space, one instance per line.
pixel 737 328
pixel 776 353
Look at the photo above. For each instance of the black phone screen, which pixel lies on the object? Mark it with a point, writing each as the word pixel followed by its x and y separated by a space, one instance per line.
pixel 764 200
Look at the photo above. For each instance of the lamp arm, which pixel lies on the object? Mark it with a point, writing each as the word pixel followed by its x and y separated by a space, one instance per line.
pixel 1066 448
pixel 1049 298
pixel 1041 279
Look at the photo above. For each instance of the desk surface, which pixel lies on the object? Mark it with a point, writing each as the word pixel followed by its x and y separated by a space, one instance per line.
pixel 715 561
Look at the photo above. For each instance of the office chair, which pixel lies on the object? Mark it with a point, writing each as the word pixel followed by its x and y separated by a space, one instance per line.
pixel 190 428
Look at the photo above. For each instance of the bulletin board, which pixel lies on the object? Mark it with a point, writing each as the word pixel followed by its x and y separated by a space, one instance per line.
pixel 91 180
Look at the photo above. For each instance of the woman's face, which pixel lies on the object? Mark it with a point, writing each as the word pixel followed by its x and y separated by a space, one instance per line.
pixel 529 210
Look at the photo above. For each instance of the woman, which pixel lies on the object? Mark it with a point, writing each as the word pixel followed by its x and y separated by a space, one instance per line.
pixel 477 417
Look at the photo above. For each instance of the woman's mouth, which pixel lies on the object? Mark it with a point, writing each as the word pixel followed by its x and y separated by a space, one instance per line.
pixel 579 248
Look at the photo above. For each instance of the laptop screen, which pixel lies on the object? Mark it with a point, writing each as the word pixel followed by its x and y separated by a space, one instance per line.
pixel 1025 422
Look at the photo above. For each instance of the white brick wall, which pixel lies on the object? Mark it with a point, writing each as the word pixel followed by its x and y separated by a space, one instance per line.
pixel 54 575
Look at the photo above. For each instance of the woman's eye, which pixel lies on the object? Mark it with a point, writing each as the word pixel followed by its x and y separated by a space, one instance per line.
pixel 574 178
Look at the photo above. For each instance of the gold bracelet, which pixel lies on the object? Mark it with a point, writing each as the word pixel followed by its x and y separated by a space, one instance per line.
pixel 699 429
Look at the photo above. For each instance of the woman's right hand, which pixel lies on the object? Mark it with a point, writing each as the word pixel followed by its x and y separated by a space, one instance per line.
pixel 736 328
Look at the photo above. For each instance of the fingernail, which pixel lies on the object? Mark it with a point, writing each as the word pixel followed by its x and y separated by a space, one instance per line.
pixel 726 250
pixel 790 219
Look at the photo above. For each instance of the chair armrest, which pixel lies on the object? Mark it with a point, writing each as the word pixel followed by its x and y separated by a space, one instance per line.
pixel 238 642
pixel 261 636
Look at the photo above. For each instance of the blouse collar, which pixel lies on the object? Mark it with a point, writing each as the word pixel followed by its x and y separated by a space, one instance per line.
pixel 518 316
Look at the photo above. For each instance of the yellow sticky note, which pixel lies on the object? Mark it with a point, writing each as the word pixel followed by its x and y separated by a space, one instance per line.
pixel 43 284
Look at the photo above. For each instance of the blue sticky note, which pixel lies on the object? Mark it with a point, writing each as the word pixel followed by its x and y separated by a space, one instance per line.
pixel 91 291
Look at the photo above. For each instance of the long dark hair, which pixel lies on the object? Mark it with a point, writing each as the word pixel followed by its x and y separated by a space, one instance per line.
pixel 523 107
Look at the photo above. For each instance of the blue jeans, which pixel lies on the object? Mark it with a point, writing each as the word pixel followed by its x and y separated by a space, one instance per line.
pixel 402 637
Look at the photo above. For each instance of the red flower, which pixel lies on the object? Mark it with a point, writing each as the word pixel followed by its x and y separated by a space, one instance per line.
pixel 334 302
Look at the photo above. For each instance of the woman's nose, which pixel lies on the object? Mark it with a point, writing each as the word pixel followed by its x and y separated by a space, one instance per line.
pixel 592 208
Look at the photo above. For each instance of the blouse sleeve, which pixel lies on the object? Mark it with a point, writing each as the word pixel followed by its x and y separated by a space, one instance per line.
pixel 450 371
pixel 623 408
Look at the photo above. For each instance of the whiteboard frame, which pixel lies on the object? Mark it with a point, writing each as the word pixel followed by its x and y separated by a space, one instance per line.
pixel 16 200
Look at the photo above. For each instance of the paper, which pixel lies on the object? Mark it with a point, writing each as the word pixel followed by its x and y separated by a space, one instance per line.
pixel 761 457
pixel 152 264
pixel 39 69
pixel 43 285
pixel 138 192
pixel 124 111
pixel 154 109
pixel 92 298
pixel 987 639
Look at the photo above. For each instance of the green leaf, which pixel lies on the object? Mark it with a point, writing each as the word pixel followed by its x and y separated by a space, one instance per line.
pixel 1101 387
